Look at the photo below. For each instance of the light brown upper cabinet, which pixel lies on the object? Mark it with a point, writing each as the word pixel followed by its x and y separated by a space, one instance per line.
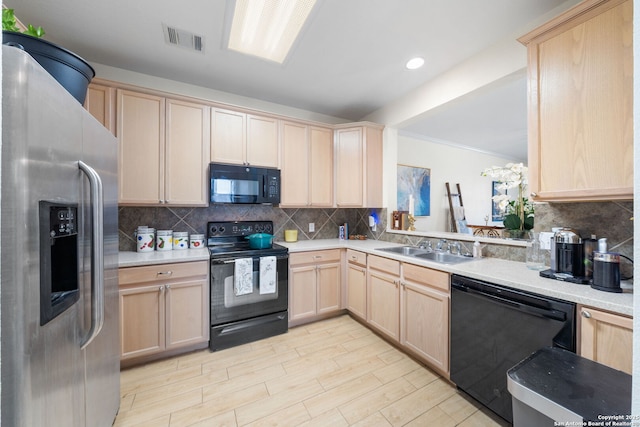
pixel 307 165
pixel 581 103
pixel 164 150
pixel 100 102
pixel 359 166
pixel 243 139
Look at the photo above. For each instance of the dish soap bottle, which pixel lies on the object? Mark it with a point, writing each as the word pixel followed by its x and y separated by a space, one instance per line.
pixel 477 250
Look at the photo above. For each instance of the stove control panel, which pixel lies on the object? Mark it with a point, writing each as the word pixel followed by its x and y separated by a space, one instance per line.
pixel 238 228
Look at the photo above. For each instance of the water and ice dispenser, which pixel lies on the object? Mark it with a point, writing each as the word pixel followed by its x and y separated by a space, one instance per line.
pixel 58 259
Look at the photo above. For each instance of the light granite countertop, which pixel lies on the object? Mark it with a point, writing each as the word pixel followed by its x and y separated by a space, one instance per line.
pixel 503 272
pixel 137 259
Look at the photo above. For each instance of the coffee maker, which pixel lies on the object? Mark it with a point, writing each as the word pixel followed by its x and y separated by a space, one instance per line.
pixel 567 260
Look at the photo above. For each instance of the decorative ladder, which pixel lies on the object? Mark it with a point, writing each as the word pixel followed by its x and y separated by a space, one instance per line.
pixel 454 224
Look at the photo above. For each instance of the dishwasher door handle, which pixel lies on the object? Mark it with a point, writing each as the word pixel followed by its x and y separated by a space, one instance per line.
pixel 551 314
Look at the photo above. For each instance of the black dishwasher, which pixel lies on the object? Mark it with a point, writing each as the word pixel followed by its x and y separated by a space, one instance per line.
pixel 494 327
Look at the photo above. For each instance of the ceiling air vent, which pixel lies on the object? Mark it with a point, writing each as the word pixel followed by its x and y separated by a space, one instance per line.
pixel 182 38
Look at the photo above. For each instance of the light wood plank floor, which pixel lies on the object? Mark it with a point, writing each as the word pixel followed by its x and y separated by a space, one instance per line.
pixel 330 373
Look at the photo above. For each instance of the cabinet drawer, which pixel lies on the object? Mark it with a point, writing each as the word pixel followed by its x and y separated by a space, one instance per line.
pixel 151 273
pixel 426 276
pixel 356 257
pixel 384 264
pixel 314 257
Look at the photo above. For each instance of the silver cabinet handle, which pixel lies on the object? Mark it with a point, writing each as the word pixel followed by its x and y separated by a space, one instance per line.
pixel 161 288
pixel 534 194
pixel 586 314
pixel 97 252
pixel 168 287
pixel 164 273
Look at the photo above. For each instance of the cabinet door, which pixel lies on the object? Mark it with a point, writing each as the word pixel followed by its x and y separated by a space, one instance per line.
pixel 581 104
pixel 295 165
pixel 100 102
pixel 320 167
pixel 142 321
pixel 425 324
pixel 228 136
pixel 349 168
pixel 384 303
pixel 328 287
pixel 357 290
pixel 302 292
pixel 373 167
pixel 187 305
pixel 140 134
pixel 187 153
pixel 606 338
pixel 262 141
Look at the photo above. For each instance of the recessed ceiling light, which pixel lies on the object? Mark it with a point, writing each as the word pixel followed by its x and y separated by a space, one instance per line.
pixel 268 28
pixel 415 63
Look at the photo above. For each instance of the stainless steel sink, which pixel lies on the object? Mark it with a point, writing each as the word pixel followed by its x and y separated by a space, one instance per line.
pixel 405 250
pixel 427 254
pixel 443 257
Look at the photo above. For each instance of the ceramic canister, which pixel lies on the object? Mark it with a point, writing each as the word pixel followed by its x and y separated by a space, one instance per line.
pixel 290 235
pixel 180 240
pixel 196 241
pixel 145 239
pixel 164 240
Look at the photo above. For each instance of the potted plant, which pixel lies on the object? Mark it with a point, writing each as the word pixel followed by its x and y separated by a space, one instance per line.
pixel 71 71
pixel 519 212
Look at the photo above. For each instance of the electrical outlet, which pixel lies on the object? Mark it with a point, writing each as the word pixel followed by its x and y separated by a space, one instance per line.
pixel 545 240
pixel 312 227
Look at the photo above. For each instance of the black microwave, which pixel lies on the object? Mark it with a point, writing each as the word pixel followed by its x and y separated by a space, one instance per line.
pixel 243 184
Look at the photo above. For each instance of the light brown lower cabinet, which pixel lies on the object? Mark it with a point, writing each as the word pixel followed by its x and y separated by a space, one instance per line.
pixel 606 338
pixel 383 296
pixel 357 283
pixel 425 315
pixel 163 309
pixel 314 285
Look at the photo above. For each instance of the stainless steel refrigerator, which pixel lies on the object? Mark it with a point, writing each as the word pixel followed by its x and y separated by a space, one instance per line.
pixel 59 294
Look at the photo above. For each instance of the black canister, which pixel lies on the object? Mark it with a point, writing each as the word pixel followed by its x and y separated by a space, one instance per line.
pixel 569 253
pixel 606 272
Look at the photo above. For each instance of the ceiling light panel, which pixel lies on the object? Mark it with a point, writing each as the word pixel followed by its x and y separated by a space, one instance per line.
pixel 268 28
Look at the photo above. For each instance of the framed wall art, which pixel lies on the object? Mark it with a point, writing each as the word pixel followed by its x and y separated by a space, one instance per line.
pixel 414 190
pixel 496 213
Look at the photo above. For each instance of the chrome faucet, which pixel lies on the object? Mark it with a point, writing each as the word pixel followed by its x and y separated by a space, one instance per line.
pixel 456 246
pixel 441 244
pixel 426 245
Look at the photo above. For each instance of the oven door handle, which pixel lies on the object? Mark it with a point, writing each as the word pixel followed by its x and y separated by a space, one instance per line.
pixel 550 314
pixel 233 260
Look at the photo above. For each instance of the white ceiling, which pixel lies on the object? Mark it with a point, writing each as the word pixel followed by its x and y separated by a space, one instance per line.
pixel 348 62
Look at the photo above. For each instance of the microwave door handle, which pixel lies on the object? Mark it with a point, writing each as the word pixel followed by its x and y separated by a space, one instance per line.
pixel 265 184
pixel 97 252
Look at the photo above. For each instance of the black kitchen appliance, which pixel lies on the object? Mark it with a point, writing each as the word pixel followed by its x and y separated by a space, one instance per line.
pixel 606 272
pixel 569 258
pixel 243 184
pixel 494 327
pixel 249 287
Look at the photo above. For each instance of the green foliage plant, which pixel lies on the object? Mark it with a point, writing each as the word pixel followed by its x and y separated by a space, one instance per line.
pixel 10 23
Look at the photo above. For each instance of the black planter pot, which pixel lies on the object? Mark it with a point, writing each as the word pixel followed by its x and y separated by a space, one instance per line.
pixel 71 71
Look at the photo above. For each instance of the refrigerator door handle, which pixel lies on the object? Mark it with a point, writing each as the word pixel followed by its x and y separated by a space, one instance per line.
pixel 97 252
